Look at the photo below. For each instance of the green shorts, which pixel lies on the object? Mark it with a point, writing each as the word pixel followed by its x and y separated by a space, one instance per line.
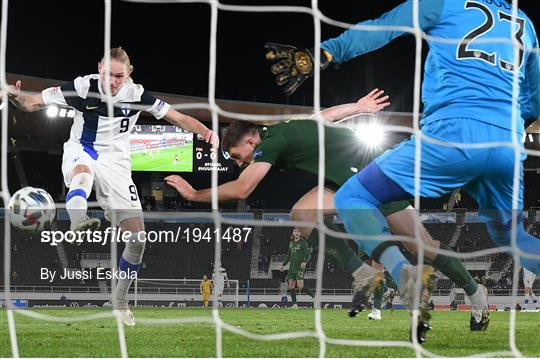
pixel 295 274
pixel 393 207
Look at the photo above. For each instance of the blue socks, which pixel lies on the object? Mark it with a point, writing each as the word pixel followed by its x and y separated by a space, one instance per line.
pixel 393 260
pixel 359 211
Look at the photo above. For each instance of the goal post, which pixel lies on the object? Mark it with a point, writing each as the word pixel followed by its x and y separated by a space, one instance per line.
pixel 160 289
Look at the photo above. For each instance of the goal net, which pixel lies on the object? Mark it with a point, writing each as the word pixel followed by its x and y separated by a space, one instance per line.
pixel 152 290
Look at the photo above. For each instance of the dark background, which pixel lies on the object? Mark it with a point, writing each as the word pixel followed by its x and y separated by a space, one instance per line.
pixel 169 47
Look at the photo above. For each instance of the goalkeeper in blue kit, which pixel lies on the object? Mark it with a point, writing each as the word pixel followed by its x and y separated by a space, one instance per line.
pixel 467 97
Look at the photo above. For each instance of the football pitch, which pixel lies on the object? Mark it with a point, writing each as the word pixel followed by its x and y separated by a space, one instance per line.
pixel 164 161
pixel 99 338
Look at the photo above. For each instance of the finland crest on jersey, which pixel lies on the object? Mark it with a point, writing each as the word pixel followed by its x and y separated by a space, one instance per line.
pixel 92 126
pixel 126 108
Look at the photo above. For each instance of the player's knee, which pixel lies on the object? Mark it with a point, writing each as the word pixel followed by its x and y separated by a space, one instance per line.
pixel 130 220
pixel 292 284
pixel 298 213
pixel 80 169
pixel 135 245
pixel 304 214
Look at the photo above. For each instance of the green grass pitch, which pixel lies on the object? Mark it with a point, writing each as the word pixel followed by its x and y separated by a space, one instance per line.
pixel 450 335
pixel 164 161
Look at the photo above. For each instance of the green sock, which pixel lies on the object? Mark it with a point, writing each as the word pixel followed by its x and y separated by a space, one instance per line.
pixel 309 292
pixel 455 270
pixel 377 297
pixel 337 250
pixel 293 295
pixel 389 281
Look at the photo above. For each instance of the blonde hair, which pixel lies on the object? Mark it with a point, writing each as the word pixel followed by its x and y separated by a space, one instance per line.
pixel 120 55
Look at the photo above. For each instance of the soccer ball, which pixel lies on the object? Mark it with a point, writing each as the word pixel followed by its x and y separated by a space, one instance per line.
pixel 31 209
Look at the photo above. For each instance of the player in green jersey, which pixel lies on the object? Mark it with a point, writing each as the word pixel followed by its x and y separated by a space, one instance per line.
pixel 298 255
pixel 293 145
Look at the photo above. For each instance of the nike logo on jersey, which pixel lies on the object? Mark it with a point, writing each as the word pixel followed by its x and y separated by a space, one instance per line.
pixel 91 107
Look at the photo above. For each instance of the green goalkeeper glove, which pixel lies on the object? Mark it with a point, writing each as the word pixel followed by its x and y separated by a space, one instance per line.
pixel 292 66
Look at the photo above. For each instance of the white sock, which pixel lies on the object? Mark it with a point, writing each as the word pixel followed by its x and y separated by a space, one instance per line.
pixel 76 208
pixel 129 263
pixel 76 199
pixel 479 298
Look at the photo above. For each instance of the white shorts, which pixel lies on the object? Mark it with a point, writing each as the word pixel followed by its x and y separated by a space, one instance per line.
pixel 528 278
pixel 218 289
pixel 115 191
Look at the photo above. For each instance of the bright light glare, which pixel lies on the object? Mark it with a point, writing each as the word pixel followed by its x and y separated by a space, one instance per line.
pixel 52 111
pixel 371 134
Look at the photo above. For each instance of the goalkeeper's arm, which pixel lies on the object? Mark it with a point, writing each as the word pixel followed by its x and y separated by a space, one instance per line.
pixel 295 65
pixel 530 90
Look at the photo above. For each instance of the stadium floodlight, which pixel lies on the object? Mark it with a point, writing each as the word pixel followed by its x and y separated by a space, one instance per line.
pixel 52 111
pixel 531 137
pixel 372 134
pixel 70 113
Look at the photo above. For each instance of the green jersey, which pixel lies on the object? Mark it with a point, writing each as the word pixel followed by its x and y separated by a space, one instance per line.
pixel 293 145
pixel 299 252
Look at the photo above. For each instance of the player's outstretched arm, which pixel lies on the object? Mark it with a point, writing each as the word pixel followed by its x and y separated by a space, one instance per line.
pixel 373 102
pixel 188 123
pixel 293 66
pixel 26 103
pixel 240 188
pixel 359 40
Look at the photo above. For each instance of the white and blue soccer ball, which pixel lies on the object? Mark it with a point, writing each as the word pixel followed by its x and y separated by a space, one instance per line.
pixel 31 209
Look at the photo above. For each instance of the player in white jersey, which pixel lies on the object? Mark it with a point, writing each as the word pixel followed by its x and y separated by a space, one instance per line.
pixel 530 301
pixel 97 152
pixel 219 280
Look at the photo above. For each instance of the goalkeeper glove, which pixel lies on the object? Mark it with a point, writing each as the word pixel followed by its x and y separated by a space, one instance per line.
pixel 292 66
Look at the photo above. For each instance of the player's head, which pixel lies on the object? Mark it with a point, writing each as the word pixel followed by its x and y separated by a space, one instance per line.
pixel 240 140
pixel 120 69
pixel 204 277
pixel 296 235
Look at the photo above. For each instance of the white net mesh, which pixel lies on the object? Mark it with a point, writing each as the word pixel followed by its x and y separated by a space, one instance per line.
pixel 216 111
